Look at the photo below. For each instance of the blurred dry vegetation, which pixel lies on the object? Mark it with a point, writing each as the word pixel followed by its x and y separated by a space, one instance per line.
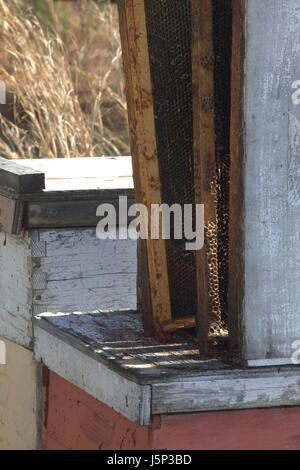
pixel 62 67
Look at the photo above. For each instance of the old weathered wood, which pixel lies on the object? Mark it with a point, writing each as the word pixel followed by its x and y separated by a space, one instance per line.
pixel 16 289
pixel 265 213
pixel 18 179
pixel 11 215
pixel 125 396
pixel 117 338
pixel 74 270
pixel 74 189
pixel 269 429
pixel 179 380
pixel 204 155
pixel 72 212
pixel 144 153
pixel 61 270
pixel 234 392
pixel 236 289
pixel 143 285
pixel 83 174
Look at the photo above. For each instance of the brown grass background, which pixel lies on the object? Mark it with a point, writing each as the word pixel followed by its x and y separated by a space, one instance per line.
pixel 61 64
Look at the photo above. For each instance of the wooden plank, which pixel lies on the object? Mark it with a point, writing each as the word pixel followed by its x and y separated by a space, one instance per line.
pixel 84 174
pixel 180 380
pixel 74 190
pixel 220 393
pixel 269 239
pixel 236 289
pixel 271 429
pixel 204 161
pixel 11 215
pixel 117 339
pixel 144 154
pixel 75 270
pixel 70 213
pixel 16 289
pixel 143 285
pixel 126 397
pixel 72 419
pixel 78 178
pixel 20 179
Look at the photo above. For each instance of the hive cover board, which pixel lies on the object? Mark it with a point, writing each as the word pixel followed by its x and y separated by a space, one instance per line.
pixel 169 110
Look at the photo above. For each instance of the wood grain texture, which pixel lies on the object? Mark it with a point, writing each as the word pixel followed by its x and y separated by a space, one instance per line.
pixel 72 212
pixel 74 190
pixel 62 270
pixel 219 393
pixel 17 178
pixel 236 288
pixel 74 270
pixel 83 174
pixel 74 420
pixel 276 429
pixel 272 214
pixel 180 380
pixel 204 151
pixel 16 289
pixel 118 340
pixel 11 215
pixel 144 151
pixel 124 396
pixel 294 161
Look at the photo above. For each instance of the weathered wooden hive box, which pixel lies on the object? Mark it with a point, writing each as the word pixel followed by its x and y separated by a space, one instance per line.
pixel 52 261
pixel 220 127
pixel 68 299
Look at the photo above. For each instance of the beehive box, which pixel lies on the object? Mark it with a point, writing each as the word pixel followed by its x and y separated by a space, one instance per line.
pixel 51 260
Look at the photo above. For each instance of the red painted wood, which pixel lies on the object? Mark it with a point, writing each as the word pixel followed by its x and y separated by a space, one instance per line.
pixel 72 419
pixel 272 429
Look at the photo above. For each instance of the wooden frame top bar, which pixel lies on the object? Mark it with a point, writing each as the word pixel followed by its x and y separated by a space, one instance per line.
pixel 55 193
pixel 18 178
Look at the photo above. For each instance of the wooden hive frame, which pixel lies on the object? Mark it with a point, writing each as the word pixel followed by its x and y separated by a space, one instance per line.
pixel 204 152
pixel 212 155
pixel 154 289
pixel 154 294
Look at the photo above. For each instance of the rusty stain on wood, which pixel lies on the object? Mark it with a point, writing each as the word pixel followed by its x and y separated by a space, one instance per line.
pixel 144 151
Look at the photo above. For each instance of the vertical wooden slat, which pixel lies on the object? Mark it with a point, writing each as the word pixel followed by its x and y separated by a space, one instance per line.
pixel 144 154
pixel 204 152
pixel 143 287
pixel 236 224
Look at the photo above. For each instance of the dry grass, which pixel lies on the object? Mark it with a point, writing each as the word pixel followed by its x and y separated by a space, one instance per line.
pixel 64 81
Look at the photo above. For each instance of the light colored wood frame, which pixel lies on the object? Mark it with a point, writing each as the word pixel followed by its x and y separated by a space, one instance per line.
pixel 145 162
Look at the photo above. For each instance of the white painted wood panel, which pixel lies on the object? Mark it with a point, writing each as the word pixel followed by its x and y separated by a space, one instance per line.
pixel 65 174
pixel 272 197
pixel 126 397
pixel 61 271
pixel 220 393
pixel 16 288
pixel 77 271
pixel 176 378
